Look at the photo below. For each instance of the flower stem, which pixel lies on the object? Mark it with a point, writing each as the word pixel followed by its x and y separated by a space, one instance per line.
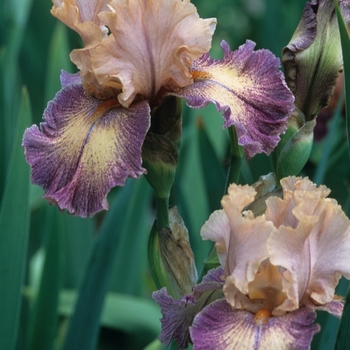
pixel 236 157
pixel 162 212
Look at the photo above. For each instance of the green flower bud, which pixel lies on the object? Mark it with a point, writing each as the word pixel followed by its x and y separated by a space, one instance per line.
pixel 293 151
pixel 313 58
pixel 171 257
pixel 160 151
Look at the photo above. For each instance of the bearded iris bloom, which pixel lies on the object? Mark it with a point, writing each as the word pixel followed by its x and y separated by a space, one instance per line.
pixel 276 269
pixel 135 54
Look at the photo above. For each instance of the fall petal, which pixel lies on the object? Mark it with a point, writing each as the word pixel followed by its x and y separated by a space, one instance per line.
pixel 166 37
pixel 249 88
pixel 218 327
pixel 84 148
pixel 178 314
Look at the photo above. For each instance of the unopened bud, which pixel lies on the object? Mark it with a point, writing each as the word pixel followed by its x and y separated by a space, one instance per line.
pixel 160 151
pixel 171 257
pixel 293 151
pixel 313 58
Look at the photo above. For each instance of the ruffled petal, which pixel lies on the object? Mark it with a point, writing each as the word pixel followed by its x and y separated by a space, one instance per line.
pixel 84 148
pixel 82 17
pixel 152 45
pixel 315 252
pixel 249 88
pixel 179 314
pixel 217 229
pixel 335 307
pixel 221 328
pixel 248 236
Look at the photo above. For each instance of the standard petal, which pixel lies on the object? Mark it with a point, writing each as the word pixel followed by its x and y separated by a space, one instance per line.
pixel 218 327
pixel 248 236
pixel 315 252
pixel 217 229
pixel 152 45
pixel 249 88
pixel 84 148
pixel 81 16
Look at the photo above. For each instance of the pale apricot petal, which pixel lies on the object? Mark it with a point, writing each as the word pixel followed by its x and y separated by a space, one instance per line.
pixel 81 16
pixel 279 211
pixel 152 45
pixel 217 229
pixel 247 242
pixel 315 252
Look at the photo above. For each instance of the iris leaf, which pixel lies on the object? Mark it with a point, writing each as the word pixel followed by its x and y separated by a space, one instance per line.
pixel 84 324
pixel 45 316
pixel 14 231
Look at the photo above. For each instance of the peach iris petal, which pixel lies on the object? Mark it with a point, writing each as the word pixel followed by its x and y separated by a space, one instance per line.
pixel 217 228
pixel 152 45
pixel 82 17
pixel 244 249
pixel 316 251
pixel 248 235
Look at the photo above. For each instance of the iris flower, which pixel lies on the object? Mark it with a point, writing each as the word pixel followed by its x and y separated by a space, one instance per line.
pixel 135 54
pixel 276 269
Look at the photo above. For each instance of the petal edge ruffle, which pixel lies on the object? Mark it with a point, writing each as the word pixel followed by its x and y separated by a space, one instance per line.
pixel 85 147
pixel 249 88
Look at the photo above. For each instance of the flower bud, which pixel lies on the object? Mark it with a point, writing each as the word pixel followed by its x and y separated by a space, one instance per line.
pixel 293 151
pixel 313 58
pixel 171 257
pixel 160 151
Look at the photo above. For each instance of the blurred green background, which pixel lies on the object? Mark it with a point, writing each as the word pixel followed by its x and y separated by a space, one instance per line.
pixel 44 254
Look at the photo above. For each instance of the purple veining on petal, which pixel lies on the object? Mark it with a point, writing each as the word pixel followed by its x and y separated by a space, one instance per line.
pixel 335 307
pixel 179 314
pixel 214 275
pixel 84 148
pixel 249 88
pixel 213 280
pixel 220 327
pixel 177 317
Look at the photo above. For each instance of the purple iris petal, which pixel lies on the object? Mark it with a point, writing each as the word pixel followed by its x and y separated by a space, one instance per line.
pixel 85 147
pixel 220 327
pixel 179 314
pixel 249 88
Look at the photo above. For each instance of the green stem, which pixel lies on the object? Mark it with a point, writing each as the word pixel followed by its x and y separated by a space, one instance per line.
pixel 162 212
pixel 236 158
